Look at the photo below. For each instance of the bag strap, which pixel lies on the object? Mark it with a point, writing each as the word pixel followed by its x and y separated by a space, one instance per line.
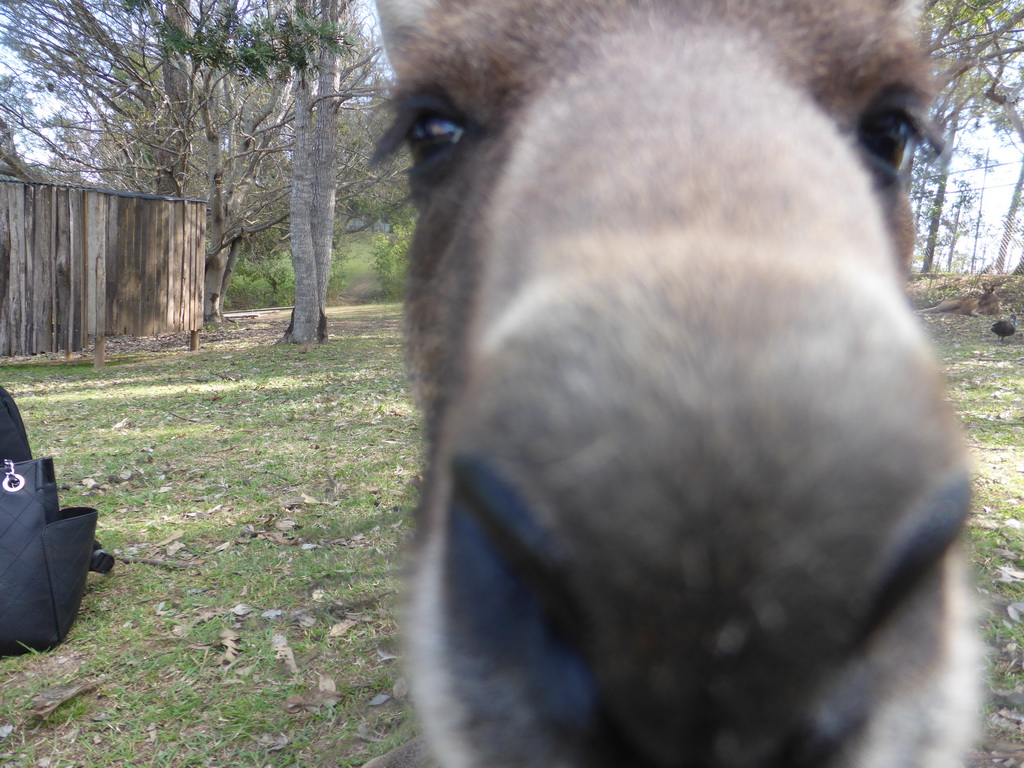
pixel 101 561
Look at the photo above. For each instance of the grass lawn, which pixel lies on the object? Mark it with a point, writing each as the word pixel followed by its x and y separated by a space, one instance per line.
pixel 264 493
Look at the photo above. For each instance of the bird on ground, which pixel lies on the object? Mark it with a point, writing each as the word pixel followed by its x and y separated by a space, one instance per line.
pixel 1005 328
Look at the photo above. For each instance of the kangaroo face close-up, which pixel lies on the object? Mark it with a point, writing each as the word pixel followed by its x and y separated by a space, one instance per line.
pixel 693 485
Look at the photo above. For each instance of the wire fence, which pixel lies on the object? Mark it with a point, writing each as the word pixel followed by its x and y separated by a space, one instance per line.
pixel 969 218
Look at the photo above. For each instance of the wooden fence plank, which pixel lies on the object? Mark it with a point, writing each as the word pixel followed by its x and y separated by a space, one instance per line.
pixel 84 303
pixel 155 255
pixel 144 294
pixel 174 245
pixel 121 291
pixel 16 203
pixel 188 259
pixel 41 265
pixel 198 264
pixel 115 250
pixel 6 294
pixel 96 243
pixel 29 312
pixel 159 259
pixel 63 309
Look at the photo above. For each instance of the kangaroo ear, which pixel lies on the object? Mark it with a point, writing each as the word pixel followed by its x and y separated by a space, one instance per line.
pixel 399 18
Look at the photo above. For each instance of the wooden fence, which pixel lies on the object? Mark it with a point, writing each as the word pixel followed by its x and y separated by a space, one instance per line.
pixel 79 264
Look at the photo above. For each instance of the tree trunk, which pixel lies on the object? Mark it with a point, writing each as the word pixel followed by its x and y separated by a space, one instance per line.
pixel 220 267
pixel 170 151
pixel 305 318
pixel 313 191
pixel 954 235
pixel 213 298
pixel 938 204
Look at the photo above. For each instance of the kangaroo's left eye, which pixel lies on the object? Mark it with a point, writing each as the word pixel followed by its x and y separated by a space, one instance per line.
pixel 889 138
pixel 431 135
pixel 432 128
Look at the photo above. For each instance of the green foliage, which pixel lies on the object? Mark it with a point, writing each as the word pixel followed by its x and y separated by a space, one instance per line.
pixel 262 283
pixel 390 259
pixel 264 276
pixel 253 45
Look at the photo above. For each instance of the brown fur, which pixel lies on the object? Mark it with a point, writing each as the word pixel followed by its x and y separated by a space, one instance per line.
pixel 986 304
pixel 663 525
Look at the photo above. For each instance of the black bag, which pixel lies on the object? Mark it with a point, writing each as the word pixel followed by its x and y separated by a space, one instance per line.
pixel 45 552
pixel 44 558
pixel 14 446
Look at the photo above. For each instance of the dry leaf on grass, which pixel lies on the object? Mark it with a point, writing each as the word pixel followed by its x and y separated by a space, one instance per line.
pixel 277 538
pixel 341 628
pixel 46 702
pixel 326 695
pixel 272 743
pixel 284 652
pixel 230 640
pixel 327 684
pixel 302 500
pixel 174 549
pixel 173 537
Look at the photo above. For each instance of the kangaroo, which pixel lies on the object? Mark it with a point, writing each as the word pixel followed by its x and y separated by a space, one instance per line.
pixel 986 304
pixel 663 525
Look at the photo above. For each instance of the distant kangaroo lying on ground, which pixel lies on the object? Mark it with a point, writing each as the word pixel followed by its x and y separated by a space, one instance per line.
pixel 663 525
pixel 986 304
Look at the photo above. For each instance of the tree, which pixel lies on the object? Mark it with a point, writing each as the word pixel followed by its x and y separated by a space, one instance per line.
pixel 978 45
pixel 314 172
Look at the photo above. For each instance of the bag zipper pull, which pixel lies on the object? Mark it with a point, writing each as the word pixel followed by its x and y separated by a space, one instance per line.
pixel 13 482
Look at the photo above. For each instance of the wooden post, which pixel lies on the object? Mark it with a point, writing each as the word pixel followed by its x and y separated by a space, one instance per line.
pixel 193 342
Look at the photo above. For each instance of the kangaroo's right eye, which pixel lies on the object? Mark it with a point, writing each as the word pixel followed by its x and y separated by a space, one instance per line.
pixel 431 137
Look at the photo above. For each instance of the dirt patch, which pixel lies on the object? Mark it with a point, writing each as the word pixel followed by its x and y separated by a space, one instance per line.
pixel 265 329
pixel 361 289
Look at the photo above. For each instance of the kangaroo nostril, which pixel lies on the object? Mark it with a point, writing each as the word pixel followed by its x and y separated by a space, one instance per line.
pixel 924 537
pixel 508 596
pixel 509 526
